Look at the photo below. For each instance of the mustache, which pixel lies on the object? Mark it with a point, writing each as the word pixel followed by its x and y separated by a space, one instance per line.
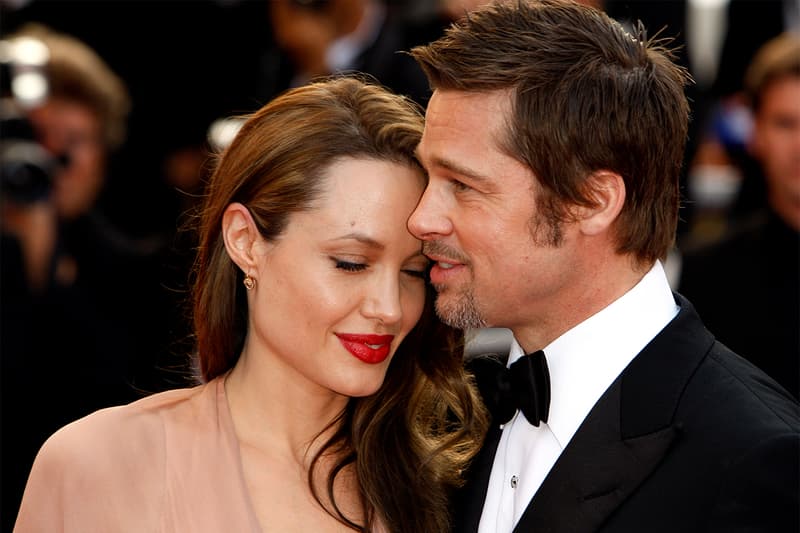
pixel 441 249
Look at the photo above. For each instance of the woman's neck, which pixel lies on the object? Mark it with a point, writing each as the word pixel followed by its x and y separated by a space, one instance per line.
pixel 273 412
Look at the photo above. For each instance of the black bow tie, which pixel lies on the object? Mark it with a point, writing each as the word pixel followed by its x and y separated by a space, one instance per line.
pixel 525 385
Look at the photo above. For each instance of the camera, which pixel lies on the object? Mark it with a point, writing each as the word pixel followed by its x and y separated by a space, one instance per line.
pixel 26 167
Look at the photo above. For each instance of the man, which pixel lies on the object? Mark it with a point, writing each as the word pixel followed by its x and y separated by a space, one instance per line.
pixel 747 285
pixel 553 143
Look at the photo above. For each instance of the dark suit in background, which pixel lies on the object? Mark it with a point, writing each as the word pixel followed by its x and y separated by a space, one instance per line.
pixel 747 288
pixel 750 24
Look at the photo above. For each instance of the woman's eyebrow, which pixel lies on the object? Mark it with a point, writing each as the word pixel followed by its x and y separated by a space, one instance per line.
pixel 362 238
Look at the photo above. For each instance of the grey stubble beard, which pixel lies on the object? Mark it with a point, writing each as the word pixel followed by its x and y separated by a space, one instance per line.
pixel 461 311
pixel 456 307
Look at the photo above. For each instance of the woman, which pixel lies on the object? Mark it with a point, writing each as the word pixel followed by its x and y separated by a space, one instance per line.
pixel 332 398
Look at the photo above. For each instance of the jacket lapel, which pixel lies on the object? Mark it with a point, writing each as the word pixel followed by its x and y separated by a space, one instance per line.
pixel 469 499
pixel 624 437
pixel 595 473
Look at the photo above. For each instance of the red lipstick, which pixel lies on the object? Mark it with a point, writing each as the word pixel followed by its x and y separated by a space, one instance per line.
pixel 372 349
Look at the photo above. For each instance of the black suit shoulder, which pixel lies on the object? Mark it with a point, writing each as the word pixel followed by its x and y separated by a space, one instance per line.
pixel 734 461
pixel 745 391
pixel 691 437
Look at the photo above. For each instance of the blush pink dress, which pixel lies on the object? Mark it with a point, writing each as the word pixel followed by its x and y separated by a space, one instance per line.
pixel 166 463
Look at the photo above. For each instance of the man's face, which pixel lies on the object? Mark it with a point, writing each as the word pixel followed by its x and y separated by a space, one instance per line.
pixel 477 219
pixel 776 144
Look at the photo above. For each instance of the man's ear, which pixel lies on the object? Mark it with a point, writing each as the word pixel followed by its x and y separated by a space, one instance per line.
pixel 242 238
pixel 607 189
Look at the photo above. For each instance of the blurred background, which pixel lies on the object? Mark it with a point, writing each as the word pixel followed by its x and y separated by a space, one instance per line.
pixel 107 134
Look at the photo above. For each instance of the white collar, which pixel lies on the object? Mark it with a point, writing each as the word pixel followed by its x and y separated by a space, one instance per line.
pixel 585 360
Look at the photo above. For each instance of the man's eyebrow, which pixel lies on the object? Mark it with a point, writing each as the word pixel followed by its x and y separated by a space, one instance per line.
pixel 362 238
pixel 456 168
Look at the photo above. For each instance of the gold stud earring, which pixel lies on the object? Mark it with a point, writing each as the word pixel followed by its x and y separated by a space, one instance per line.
pixel 249 283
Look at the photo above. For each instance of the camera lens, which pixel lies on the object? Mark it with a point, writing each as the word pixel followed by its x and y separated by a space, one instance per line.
pixel 26 168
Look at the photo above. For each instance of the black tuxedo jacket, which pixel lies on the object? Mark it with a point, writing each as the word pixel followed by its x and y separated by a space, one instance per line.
pixel 690 437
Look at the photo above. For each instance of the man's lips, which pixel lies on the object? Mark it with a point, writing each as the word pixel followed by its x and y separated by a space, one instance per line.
pixel 371 349
pixel 443 269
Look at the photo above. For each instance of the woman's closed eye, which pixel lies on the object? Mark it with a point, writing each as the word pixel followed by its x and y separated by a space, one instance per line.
pixel 348 266
pixel 418 268
pixel 421 274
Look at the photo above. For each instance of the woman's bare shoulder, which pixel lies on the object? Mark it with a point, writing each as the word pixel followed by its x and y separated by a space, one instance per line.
pixel 115 436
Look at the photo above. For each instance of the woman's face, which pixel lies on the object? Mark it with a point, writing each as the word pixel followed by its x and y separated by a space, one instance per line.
pixel 343 285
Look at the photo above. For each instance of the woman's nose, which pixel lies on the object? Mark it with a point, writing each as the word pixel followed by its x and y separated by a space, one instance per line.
pixel 383 302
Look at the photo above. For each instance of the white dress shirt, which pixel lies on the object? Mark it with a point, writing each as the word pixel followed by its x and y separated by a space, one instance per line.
pixel 583 362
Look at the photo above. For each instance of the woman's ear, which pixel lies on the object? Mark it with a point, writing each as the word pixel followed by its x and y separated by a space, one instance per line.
pixel 242 238
pixel 607 189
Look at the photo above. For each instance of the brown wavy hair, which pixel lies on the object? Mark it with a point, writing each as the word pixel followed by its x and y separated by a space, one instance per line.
pixel 409 442
pixel 587 95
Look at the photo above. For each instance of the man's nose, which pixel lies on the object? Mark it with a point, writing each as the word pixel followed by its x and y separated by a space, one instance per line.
pixel 430 219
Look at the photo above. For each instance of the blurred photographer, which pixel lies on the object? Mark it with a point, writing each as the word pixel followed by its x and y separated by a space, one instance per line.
pixel 80 298
pixel 81 120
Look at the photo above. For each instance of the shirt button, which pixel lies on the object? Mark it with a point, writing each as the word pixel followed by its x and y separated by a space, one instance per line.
pixel 514 480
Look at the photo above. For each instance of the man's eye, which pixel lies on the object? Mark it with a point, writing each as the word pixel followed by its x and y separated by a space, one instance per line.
pixel 460 186
pixel 349 266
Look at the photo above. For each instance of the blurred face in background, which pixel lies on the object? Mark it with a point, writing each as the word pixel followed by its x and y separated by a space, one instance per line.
pixel 71 129
pixel 776 144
